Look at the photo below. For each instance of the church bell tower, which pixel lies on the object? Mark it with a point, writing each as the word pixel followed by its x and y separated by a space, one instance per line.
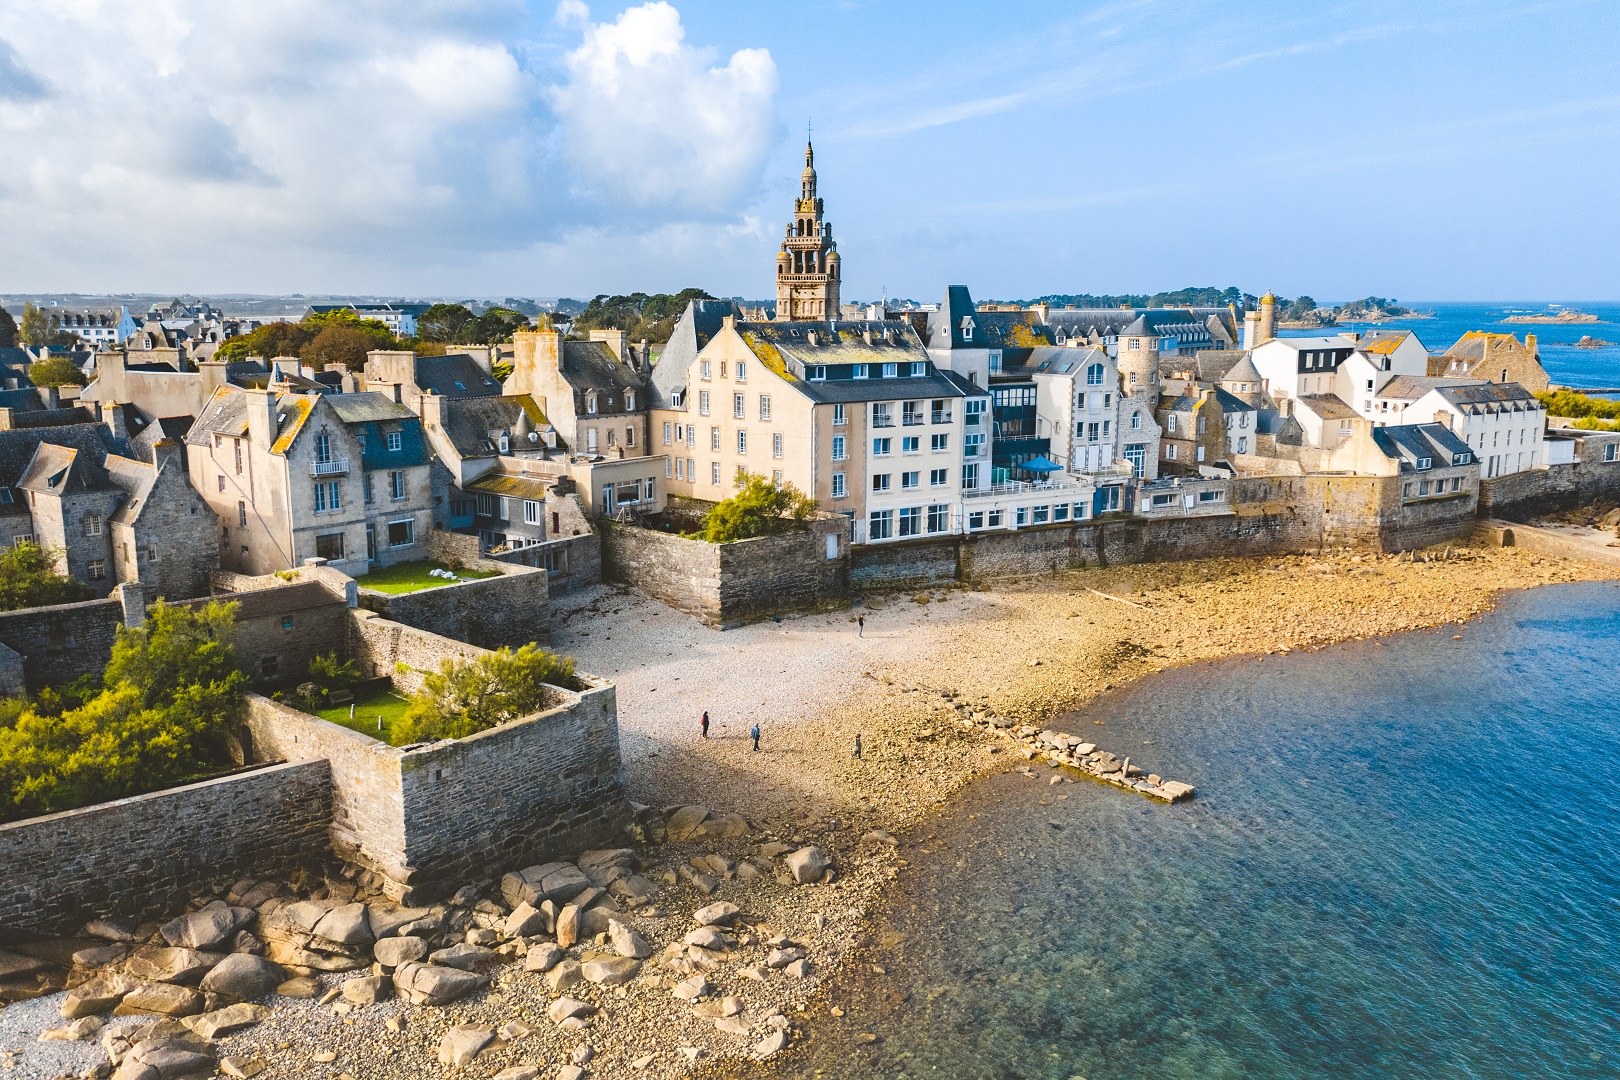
pixel 807 264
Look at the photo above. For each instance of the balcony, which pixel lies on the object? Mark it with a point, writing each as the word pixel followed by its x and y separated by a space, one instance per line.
pixel 1024 487
pixel 335 467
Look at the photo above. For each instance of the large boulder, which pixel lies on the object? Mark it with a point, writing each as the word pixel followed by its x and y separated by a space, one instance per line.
pixel 568 925
pixel 98 994
pixel 394 951
pixel 162 999
pixel 428 984
pixel 462 1043
pixel 212 1025
pixel 718 913
pixel 566 1008
pixel 607 865
pixel 211 928
pixel 465 957
pixel 683 823
pixel 162 1059
pixel 807 865
pixel 707 937
pixel 628 943
pixel 526 920
pixel 542 957
pixel 386 920
pixel 244 977
pixel 346 925
pixel 610 971
pixel 558 881
pixel 367 990
pixel 154 963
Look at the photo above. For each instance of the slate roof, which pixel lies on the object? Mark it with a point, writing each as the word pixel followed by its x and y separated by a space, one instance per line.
pixel 137 478
pixel 591 365
pixel 515 487
pixel 17 447
pixel 1412 387
pixel 1382 342
pixel 58 470
pixel 1189 327
pixel 1301 344
pixel 468 423
pixel 1243 371
pixel 367 406
pixel 1230 403
pixel 224 414
pixel 1471 346
pixel 785 348
pixel 453 376
pixel 1328 406
pixel 1062 359
pixel 1487 393
pixel 695 328
pixel 1408 443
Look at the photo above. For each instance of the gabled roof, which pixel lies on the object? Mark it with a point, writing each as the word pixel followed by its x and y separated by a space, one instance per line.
pixel 18 447
pixel 1472 345
pixel 516 487
pixel 137 478
pixel 62 470
pixel 470 422
pixel 1070 360
pixel 1302 344
pixel 1486 393
pixel 1327 406
pixel 785 348
pixel 455 375
pixel 591 365
pixel 1382 342
pixel 696 327
pixel 224 414
pixel 1230 404
pixel 366 407
pixel 1412 387
pixel 1410 443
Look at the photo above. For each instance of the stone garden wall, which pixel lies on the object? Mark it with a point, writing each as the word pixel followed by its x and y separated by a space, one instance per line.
pixel 57 644
pixel 511 609
pixel 391 650
pixel 140 856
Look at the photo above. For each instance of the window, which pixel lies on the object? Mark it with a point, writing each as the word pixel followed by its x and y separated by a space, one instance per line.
pixel 396 485
pixel 973 411
pixel 92 524
pixel 1135 346
pixel 858 371
pixel 1136 457
pixel 994 519
pixel 880 525
pixel 918 369
pixel 938 477
pixel 910 444
pixel 973 444
pixel 669 466
pixel 714 439
pixel 1243 444
pixel 329 546
pixel 976 520
pixel 1041 515
pixel 776 444
pixel 238 447
pixel 939 442
pixel 908 480
pixel 532 513
pixel 764 406
pixel 882 414
pixel 1170 451
pixel 1456 483
pixel 742 442
pixel 704 371
pixel 1092 431
pixel 881 481
pixel 738 407
pixel 840 418
pixel 838 490
pixel 995 360
pixel 1203 424
pixel 714 473
pixel 1094 375
pixel 970 476
pixel 667 427
pixel 1136 421
pixel 890 371
pixel 1199 454
pixel 1423 487
pixel 703 403
pixel 838 448
pixel 629 401
pixel 1610 451
pixel 1105 427
pixel 287 622
pixel 816 372
pixel 590 440
pixel 742 370
pixel 911 521
pixel 1060 512
pixel 485 504
pixel 269 667
pixel 881 447
pixel 590 402
pixel 401 533
pixel 96 569
pixel 630 436
pixel 320 497
pixel 7 496
pixel 1021 516
pixel 241 514
pixel 1107 499
pixel 911 414
pixel 1211 496
pixel 939 412
pixel 395 440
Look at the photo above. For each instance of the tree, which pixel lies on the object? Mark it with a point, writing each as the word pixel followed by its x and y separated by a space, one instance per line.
pixel 56 371
pixel 269 341
pixel 462 699
pixel 443 322
pixel 9 334
pixel 36 326
pixel 344 345
pixel 329 673
pixel 639 315
pixel 28 578
pixel 168 698
pixel 761 508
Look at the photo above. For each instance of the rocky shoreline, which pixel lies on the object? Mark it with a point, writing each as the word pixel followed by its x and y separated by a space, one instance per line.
pixel 944 686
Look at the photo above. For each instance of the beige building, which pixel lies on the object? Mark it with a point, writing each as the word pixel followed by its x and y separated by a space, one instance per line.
pixel 854 413
pixel 594 392
pixel 341 476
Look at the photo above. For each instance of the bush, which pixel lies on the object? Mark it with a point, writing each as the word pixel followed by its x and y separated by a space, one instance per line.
pixel 56 371
pixel 28 578
pixel 462 699
pixel 763 507
pixel 330 673
pixel 168 698
pixel 1588 412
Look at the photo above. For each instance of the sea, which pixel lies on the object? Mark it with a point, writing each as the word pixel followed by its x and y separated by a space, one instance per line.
pixel 1402 862
pixel 1567 365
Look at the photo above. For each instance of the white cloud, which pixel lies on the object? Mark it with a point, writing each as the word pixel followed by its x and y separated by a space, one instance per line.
pixel 650 119
pixel 230 144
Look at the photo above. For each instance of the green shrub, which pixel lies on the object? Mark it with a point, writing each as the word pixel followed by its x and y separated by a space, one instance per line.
pixel 168 698
pixel 763 507
pixel 462 699
pixel 1578 406
pixel 28 578
pixel 330 673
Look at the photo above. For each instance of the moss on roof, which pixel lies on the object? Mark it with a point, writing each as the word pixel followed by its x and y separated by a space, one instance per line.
pixel 768 353
pixel 299 412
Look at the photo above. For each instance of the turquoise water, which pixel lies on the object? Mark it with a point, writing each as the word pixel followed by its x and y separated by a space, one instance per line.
pixel 1403 862
pixel 1567 365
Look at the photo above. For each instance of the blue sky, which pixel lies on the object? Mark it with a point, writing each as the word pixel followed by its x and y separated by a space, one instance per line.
pixel 1449 149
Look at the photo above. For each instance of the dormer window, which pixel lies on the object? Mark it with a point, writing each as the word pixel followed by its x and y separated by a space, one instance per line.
pixel 816 372
pixel 967 328
pixel 858 371
pixel 506 443
pixel 590 402
pixel 630 398
pixel 891 370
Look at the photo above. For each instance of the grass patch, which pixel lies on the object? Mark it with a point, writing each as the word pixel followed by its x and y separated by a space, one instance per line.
pixel 413 576
pixel 382 701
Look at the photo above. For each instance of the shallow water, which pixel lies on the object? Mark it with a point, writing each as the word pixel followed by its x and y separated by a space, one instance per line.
pixel 1403 861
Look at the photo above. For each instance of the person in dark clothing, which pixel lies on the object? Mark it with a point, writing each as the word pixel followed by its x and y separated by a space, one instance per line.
pixel 703 724
pixel 858 745
pixel 754 732
pixel 860 626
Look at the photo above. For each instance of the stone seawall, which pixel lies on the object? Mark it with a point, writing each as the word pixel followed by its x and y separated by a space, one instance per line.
pixel 729 584
pixel 1527 495
pixel 141 856
pixel 570 562
pixel 429 818
pixel 511 609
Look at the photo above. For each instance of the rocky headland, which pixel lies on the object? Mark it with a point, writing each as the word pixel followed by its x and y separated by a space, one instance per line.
pixel 1568 315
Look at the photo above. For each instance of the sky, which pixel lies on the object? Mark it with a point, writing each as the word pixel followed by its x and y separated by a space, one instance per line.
pixel 1439 149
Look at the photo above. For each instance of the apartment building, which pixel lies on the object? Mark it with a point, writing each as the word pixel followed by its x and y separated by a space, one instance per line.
pixel 594 392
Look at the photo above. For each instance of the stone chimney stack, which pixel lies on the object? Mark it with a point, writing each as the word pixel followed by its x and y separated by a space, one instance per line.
pixel 113 416
pixel 261 416
pixel 613 339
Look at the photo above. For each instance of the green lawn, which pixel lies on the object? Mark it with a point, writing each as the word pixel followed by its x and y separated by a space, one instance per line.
pixel 380 702
pixel 413 576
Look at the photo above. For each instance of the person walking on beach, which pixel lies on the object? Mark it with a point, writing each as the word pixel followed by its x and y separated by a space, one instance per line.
pixel 754 733
pixel 858 746
pixel 703 724
pixel 860 626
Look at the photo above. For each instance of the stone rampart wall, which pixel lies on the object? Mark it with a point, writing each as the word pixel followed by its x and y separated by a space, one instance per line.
pixel 62 642
pixel 385 649
pixel 1537 492
pixel 511 609
pixel 143 855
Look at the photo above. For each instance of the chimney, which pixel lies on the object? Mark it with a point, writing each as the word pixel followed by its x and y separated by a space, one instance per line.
pixel 646 357
pixel 430 407
pixel 53 397
pixel 113 416
pixel 261 416
pixel 163 451
pixel 613 339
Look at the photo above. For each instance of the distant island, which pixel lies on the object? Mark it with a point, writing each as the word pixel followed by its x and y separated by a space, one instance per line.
pixel 1568 315
pixel 1589 342
pixel 1303 314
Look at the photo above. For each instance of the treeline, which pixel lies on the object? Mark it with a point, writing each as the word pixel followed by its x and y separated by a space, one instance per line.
pixel 1208 296
pixel 1592 413
pixel 649 316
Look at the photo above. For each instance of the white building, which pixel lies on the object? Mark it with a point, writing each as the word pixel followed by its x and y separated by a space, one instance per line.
pixel 1502 423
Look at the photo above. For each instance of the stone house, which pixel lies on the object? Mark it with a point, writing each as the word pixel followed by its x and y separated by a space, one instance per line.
pixel 1201 429
pixel 344 477
pixel 594 392
pixel 1500 358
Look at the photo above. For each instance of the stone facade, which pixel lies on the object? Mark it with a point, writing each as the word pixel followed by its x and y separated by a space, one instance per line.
pixel 429 818
pixel 143 855
pixel 511 609
pixel 57 644
pixel 729 584
pixel 385 649
pixel 571 562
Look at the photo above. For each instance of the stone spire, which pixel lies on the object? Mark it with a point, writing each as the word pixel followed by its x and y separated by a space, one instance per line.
pixel 807 266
